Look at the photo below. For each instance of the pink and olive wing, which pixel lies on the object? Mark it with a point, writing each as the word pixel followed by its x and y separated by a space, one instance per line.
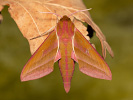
pixel 42 61
pixel 89 60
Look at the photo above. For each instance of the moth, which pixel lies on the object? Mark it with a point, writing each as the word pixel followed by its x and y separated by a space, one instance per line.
pixel 67 45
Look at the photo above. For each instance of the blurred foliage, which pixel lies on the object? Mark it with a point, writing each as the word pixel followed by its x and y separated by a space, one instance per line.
pixel 114 17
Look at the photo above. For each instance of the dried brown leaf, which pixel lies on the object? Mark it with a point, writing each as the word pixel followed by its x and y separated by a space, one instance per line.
pixel 32 23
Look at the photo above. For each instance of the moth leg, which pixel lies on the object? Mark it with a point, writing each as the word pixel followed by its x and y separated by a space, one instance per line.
pixel 45 33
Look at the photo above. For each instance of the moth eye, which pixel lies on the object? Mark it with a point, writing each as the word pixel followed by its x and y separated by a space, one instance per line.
pixel 90 31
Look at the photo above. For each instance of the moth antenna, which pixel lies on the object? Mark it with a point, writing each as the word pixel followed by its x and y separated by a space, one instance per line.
pixel 79 11
pixel 43 34
pixel 51 13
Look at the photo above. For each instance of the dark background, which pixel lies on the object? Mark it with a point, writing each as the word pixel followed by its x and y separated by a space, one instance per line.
pixel 114 17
